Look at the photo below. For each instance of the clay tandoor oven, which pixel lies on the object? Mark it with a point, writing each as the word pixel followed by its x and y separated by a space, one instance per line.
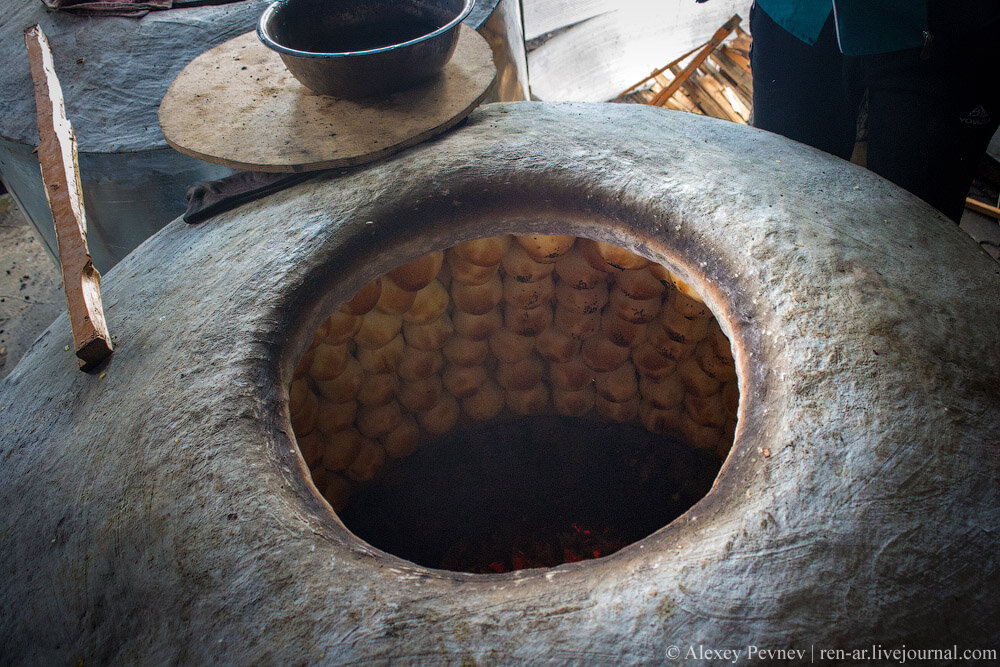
pixel 572 382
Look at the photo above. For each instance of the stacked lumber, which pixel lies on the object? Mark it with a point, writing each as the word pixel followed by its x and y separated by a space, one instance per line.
pixel 713 79
pixel 589 50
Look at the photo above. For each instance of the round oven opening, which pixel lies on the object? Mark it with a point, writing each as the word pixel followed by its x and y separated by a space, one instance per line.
pixel 516 402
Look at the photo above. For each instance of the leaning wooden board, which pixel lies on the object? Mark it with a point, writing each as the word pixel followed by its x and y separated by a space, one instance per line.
pixel 237 105
pixel 57 158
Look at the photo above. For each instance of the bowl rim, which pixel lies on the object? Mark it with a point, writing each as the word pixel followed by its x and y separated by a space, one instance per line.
pixel 269 12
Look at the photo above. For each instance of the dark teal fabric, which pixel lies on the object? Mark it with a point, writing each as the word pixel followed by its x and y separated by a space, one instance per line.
pixel 863 26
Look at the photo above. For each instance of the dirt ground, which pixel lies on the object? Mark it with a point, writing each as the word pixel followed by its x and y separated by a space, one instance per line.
pixel 31 295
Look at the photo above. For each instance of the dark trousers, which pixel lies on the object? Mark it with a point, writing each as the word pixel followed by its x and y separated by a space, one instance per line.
pixel 930 112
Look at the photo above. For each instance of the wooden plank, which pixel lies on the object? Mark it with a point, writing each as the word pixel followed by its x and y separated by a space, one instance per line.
pixel 684 102
pixel 698 59
pixel 722 93
pixel 693 87
pixel 980 207
pixel 741 77
pixel 642 96
pixel 702 104
pixel 637 97
pixel 743 99
pixel 661 81
pixel 742 41
pixel 57 156
pixel 741 109
pixel 714 90
pixel 738 57
pixel 679 101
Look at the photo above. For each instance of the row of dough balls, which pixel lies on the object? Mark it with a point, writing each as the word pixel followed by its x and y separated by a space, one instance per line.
pixel 530 325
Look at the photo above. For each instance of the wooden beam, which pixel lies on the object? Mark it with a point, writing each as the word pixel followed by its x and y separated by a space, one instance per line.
pixel 980 207
pixel 657 73
pixel 57 156
pixel 713 43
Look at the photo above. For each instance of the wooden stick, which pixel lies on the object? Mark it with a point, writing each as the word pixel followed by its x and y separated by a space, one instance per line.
pixel 716 40
pixel 980 207
pixel 57 156
pixel 656 73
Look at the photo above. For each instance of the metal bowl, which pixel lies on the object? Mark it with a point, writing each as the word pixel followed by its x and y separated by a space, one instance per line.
pixel 362 48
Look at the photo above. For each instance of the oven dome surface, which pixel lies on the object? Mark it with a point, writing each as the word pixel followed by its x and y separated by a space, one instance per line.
pixel 158 509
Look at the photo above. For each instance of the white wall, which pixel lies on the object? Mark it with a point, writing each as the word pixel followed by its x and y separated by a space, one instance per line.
pixel 612 44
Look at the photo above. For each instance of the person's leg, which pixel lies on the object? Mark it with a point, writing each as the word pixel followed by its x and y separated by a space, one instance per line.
pixel 979 106
pixel 799 90
pixel 913 127
pixel 930 120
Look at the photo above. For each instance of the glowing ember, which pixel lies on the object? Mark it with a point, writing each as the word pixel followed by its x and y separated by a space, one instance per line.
pixel 518 494
pixel 521 547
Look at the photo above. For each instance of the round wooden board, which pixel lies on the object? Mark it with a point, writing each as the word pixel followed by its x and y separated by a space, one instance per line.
pixel 237 105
